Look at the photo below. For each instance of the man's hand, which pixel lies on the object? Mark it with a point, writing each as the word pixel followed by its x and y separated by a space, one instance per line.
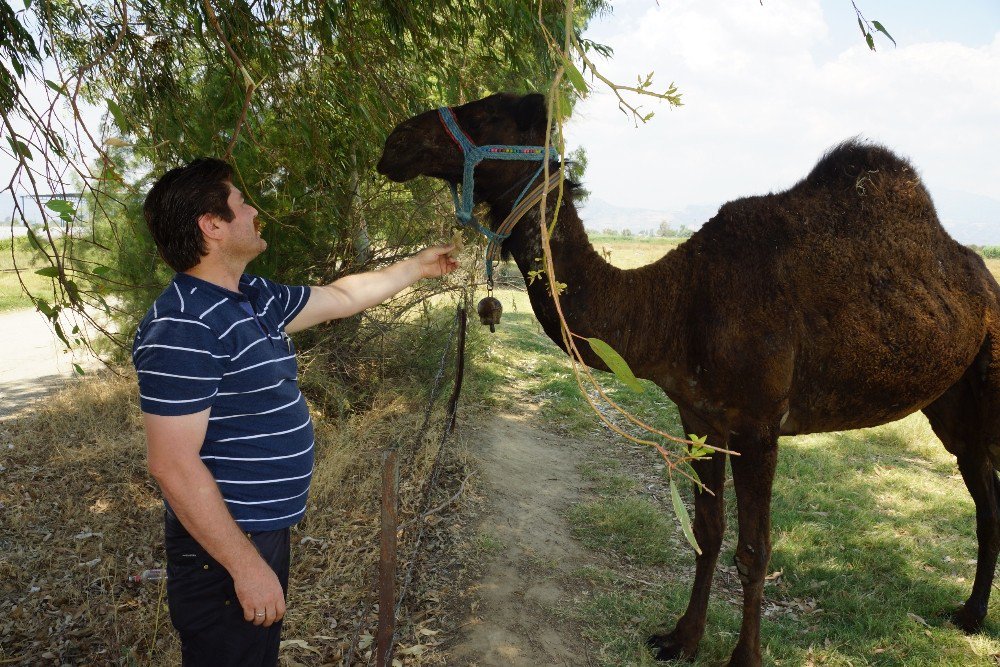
pixel 259 593
pixel 435 261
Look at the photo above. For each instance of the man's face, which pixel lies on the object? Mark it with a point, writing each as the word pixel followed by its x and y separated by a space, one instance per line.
pixel 244 239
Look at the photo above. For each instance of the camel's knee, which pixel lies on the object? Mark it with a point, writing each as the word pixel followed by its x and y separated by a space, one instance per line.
pixel 751 562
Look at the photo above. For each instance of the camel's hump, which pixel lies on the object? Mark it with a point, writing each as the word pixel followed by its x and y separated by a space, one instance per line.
pixel 856 161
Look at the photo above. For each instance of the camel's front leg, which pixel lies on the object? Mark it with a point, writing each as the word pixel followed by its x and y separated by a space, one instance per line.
pixel 709 526
pixel 753 476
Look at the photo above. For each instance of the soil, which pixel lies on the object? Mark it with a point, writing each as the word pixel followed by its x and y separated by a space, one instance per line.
pixel 517 610
pixel 34 362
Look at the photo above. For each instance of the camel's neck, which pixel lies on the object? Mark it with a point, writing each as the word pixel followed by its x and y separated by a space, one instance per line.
pixel 600 300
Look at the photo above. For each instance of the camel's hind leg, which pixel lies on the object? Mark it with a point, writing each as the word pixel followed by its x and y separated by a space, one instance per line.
pixel 967 419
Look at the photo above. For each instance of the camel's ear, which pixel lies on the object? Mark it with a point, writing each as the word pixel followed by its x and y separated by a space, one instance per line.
pixel 531 112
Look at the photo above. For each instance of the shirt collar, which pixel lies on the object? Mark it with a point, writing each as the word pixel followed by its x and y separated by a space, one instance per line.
pixel 186 280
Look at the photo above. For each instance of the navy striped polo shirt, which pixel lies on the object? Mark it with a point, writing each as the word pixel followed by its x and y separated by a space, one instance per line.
pixel 202 346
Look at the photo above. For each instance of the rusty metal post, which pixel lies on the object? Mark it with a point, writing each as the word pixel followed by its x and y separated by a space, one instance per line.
pixel 387 559
pixel 459 370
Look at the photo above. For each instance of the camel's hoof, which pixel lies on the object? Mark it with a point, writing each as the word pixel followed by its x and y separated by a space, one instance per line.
pixel 739 659
pixel 967 621
pixel 668 646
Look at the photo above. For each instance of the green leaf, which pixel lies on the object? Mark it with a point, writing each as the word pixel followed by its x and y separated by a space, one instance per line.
pixel 694 474
pixel 116 113
pixel 881 29
pixel 45 309
pixel 61 206
pixel 697 450
pixel 59 332
pixel 48 272
pixel 101 270
pixel 56 87
pixel 870 40
pixel 573 74
pixel 73 291
pixel 78 369
pixel 682 516
pixel 19 148
pixel 614 361
pixel 34 241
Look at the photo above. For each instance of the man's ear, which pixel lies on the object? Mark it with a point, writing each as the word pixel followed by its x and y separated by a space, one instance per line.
pixel 210 226
pixel 531 112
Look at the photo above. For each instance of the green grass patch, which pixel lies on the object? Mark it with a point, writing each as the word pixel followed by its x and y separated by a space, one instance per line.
pixel 604 473
pixel 875 536
pixel 12 296
pixel 487 544
pixel 633 527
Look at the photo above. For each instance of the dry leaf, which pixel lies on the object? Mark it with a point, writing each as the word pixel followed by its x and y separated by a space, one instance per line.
pixel 299 643
pixel 458 241
pixel 416 649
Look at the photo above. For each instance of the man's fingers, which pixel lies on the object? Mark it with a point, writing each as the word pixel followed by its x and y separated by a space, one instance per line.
pixel 258 616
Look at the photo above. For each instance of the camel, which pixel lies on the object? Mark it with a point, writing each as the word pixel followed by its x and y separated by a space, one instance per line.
pixel 840 303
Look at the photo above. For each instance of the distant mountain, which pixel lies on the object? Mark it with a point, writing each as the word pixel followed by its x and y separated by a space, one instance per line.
pixel 598 215
pixel 969 218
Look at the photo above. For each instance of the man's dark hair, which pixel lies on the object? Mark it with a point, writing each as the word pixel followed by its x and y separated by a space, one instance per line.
pixel 176 201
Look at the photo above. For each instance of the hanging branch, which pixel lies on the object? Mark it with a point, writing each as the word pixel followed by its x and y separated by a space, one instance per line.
pixel 247 80
pixel 867 27
pixel 643 87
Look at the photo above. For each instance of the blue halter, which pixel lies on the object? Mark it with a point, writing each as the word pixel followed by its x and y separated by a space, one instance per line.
pixel 474 155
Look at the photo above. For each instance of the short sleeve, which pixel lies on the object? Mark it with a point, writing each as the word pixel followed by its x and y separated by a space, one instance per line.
pixel 291 300
pixel 180 363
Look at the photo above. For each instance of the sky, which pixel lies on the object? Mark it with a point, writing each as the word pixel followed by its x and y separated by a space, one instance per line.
pixel 769 85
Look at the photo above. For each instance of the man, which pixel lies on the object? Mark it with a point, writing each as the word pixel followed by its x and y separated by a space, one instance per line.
pixel 229 438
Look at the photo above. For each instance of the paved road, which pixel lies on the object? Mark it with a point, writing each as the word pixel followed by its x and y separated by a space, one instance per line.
pixel 32 360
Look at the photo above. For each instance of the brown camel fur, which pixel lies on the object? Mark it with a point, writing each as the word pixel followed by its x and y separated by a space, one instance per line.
pixel 838 304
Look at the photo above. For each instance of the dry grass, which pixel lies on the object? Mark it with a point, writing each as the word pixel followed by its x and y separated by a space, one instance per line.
pixel 79 513
pixel 994 266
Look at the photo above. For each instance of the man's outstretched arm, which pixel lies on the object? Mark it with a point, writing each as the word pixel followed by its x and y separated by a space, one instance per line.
pixel 351 294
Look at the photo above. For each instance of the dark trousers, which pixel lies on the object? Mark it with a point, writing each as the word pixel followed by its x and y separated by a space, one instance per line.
pixel 203 604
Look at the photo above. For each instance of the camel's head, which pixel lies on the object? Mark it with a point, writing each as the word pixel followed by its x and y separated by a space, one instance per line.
pixel 420 146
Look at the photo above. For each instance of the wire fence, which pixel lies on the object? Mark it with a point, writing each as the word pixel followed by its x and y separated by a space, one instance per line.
pixel 390 604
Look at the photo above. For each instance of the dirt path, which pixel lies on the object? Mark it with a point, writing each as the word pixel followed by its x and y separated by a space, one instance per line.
pixel 32 362
pixel 520 616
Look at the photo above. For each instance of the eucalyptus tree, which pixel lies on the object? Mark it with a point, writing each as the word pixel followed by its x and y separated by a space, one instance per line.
pixel 298 95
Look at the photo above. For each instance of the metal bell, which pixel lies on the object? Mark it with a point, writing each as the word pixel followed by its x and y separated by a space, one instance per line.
pixel 489 310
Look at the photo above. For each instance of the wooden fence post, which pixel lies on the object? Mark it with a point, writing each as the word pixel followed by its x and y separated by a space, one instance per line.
pixel 387 558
